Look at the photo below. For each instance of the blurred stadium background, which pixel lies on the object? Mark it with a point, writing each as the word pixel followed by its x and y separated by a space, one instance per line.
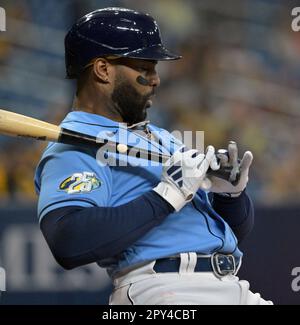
pixel 240 79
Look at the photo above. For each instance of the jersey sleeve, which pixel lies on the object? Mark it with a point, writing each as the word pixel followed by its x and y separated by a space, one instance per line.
pixel 69 177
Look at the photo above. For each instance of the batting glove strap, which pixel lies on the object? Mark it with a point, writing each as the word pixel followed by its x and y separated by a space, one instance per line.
pixel 172 195
pixel 183 174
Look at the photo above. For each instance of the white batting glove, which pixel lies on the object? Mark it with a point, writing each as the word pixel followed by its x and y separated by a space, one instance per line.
pixel 183 174
pixel 221 186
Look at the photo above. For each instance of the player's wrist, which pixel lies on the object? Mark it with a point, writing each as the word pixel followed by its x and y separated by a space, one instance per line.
pixel 230 195
pixel 171 194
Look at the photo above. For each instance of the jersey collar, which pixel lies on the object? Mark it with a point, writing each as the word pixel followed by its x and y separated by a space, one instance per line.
pixel 94 119
pixel 89 118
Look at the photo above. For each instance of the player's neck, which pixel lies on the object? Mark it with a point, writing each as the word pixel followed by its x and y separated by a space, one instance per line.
pixel 96 105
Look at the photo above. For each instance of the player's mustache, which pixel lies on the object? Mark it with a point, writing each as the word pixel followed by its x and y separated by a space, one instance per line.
pixel 151 94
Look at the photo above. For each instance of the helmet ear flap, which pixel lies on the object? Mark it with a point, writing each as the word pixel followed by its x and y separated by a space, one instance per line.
pixel 71 65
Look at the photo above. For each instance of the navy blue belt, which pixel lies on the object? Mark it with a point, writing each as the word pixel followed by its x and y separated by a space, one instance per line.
pixel 219 264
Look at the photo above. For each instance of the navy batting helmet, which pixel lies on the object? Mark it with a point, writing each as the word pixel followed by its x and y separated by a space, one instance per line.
pixel 116 32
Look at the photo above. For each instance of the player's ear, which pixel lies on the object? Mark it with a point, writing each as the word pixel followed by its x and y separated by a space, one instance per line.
pixel 101 70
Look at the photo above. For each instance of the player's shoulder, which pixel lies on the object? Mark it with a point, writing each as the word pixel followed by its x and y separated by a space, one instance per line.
pixel 62 156
pixel 159 130
pixel 56 149
pixel 169 137
pixel 85 123
pixel 88 123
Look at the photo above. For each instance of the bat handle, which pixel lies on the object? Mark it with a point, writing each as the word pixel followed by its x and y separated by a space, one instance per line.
pixel 225 173
pixel 228 173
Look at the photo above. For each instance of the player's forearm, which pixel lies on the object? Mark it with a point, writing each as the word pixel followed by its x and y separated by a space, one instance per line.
pixel 237 212
pixel 79 236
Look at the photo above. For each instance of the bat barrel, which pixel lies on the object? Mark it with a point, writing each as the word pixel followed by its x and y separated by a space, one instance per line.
pixel 18 125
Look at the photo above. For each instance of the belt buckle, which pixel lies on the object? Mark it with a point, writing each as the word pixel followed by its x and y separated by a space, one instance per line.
pixel 223 265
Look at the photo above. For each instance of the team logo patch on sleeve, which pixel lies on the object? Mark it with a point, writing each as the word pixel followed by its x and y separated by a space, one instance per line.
pixel 80 183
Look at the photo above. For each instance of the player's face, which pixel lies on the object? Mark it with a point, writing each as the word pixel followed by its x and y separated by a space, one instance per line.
pixel 131 96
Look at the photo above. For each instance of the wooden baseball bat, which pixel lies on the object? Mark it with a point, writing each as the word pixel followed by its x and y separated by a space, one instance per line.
pixel 17 125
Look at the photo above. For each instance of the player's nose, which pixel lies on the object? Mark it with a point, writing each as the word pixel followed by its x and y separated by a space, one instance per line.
pixel 154 81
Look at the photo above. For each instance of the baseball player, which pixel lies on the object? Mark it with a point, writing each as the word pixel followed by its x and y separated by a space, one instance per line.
pixel 166 233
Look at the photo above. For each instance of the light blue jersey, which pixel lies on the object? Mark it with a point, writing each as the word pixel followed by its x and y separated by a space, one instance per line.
pixel 71 176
